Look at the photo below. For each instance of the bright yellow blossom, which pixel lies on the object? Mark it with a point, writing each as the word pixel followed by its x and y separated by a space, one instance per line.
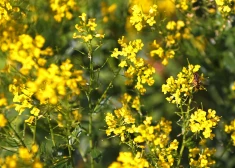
pixel 230 129
pixel 25 154
pixel 62 9
pixel 201 158
pixel 181 87
pixel 139 18
pixel 3 120
pixel 202 121
pixel 138 71
pixel 86 29
pixel 126 160
pixel 171 25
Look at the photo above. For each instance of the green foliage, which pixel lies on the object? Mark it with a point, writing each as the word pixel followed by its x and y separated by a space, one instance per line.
pixel 83 83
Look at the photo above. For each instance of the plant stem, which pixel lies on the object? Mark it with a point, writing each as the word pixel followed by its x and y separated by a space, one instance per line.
pixel 34 133
pixel 226 149
pixel 91 70
pixel 185 118
pixel 91 139
pixel 181 150
pixel 183 133
pixel 109 86
pixel 17 135
pixel 69 146
pixel 51 130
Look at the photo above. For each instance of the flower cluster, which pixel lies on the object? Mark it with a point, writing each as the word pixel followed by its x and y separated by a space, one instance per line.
pixel 156 137
pixel 24 158
pixel 126 160
pixel 49 85
pixel 6 9
pixel 159 51
pixel 139 18
pixel 27 51
pixel 144 135
pixel 174 33
pixel 22 98
pixel 202 121
pixel 3 100
pixel 3 120
pixel 224 6
pixel 137 70
pixel 201 158
pixel 231 129
pixel 53 82
pixel 118 123
pixel 86 29
pixel 184 85
pixel 108 12
pixel 62 8
pixel 182 4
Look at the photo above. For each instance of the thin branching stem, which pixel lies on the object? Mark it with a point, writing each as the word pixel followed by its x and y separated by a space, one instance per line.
pixel 91 70
pixel 51 130
pixel 185 118
pixel 106 90
pixel 34 131
pixel 17 135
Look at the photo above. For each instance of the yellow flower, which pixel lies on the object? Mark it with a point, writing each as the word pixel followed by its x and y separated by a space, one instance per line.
pixel 39 41
pixel 30 120
pixel 137 70
pixel 231 129
pixel 126 159
pixel 11 161
pixel 34 148
pixel 174 145
pixel 24 153
pixel 3 120
pixel 83 17
pixel 171 25
pixel 201 157
pixel 181 87
pixel 37 164
pixel 180 24
pixel 201 121
pixel 91 24
pixel 35 111
pixel 87 29
pixel 62 9
pixel 139 18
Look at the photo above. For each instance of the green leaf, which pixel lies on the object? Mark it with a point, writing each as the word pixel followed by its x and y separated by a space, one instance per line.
pixel 229 61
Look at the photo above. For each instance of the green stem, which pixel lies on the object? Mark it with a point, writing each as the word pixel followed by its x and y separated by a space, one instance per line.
pixel 91 139
pixel 17 135
pixel 69 147
pixel 226 149
pixel 181 150
pixel 185 118
pixel 188 112
pixel 51 130
pixel 106 90
pixel 184 136
pixel 23 136
pixel 91 70
pixel 34 131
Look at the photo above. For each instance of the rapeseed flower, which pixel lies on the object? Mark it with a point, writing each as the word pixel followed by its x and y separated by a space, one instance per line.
pixel 202 121
pixel 139 18
pixel 137 70
pixel 182 87
pixel 230 129
pixel 126 160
